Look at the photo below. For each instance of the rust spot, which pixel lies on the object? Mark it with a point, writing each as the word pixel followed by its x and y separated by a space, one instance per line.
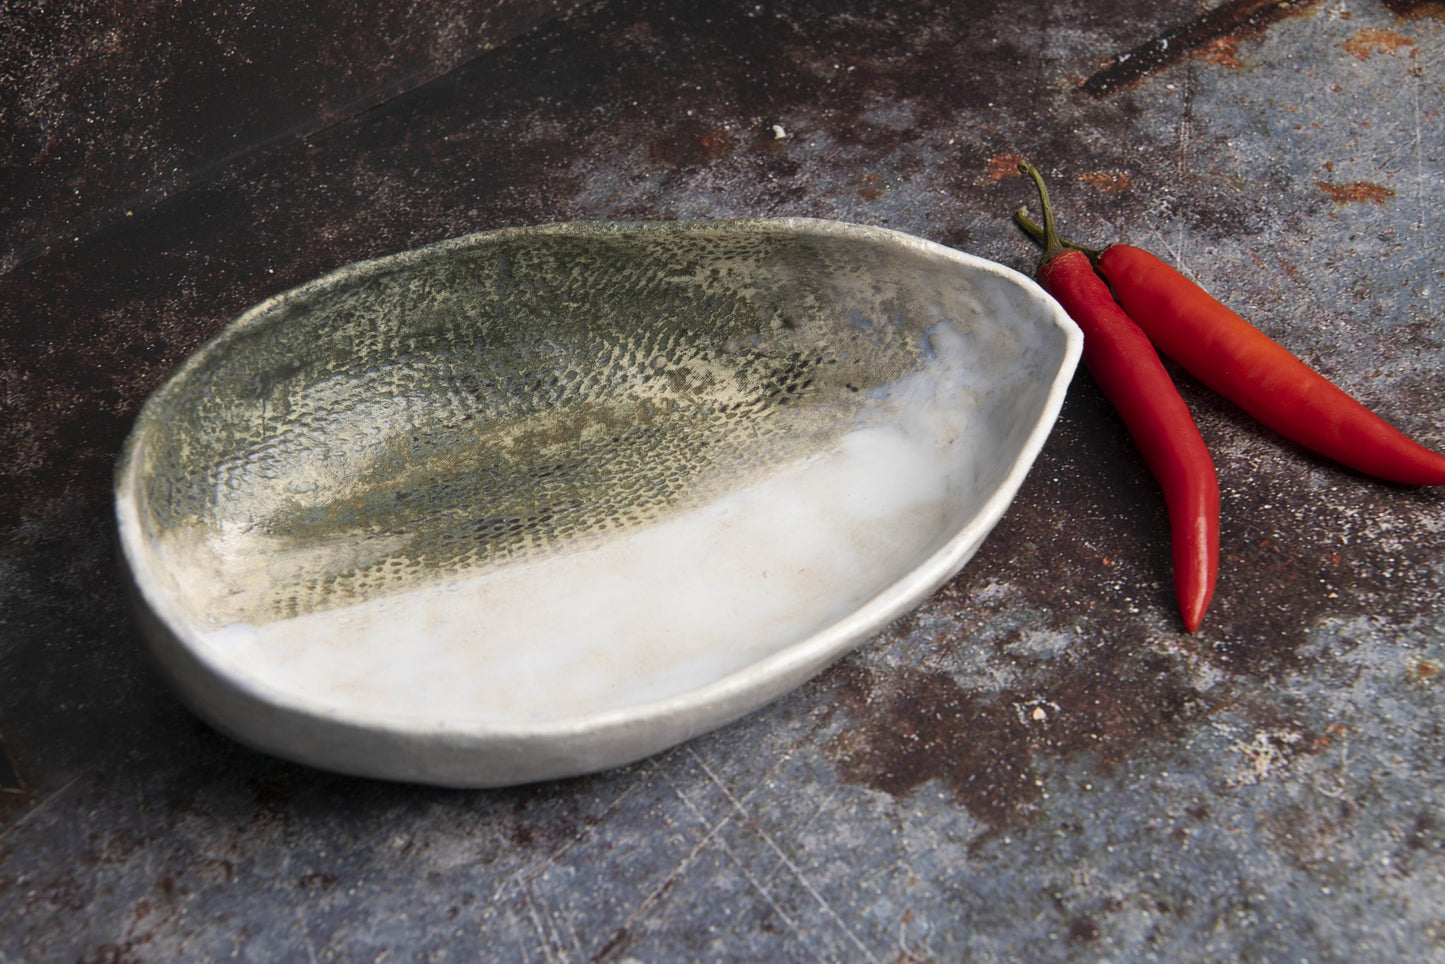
pixel 1212 34
pixel 999 167
pixel 929 728
pixel 317 881
pixel 1328 736
pixel 168 886
pixel 1111 181
pixel 1083 930
pixel 1356 192
pixel 523 836
pixel 869 188
pixel 1424 670
pixel 691 145
pixel 547 830
pixel 1373 40
pixel 916 727
pixel 1221 52
pixel 1422 833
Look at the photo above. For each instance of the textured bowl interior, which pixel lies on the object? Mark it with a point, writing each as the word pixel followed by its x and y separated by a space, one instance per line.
pixel 543 500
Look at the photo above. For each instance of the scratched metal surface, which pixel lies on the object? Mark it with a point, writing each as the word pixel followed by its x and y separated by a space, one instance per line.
pixel 1036 765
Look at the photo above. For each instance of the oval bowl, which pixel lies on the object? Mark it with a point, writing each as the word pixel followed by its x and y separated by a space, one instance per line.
pixel 541 501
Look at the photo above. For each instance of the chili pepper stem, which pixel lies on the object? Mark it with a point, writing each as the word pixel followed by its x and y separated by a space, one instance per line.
pixel 1050 239
pixel 1033 230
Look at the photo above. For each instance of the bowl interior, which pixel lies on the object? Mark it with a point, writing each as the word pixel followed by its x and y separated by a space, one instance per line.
pixel 534 475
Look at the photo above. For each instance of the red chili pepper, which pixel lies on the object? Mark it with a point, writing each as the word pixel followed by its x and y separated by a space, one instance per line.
pixel 1261 376
pixel 1123 362
pixel 1240 362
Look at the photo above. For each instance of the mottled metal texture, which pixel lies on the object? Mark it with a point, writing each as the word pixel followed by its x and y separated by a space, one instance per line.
pixel 109 105
pixel 1037 764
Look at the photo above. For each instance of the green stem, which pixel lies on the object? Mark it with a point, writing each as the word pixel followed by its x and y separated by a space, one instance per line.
pixel 1052 244
pixel 1021 217
pixel 1047 235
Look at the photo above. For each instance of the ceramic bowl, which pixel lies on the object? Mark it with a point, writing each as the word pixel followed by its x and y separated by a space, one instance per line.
pixel 542 501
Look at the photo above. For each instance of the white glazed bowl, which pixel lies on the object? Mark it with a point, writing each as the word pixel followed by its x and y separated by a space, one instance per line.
pixel 542 501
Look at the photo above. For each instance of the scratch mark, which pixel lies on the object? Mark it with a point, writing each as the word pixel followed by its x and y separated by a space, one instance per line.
pixel 1267 753
pixel 305 934
pixel 1186 132
pixel 793 868
pixel 1176 255
pixel 751 878
pixel 1186 125
pixel 550 926
pixel 572 935
pixel 906 953
pixel 1341 788
pixel 1224 23
pixel 622 937
pixel 1419 155
pixel 818 811
pixel 9 831
pixel 541 923
pixel 532 871
pixel 521 938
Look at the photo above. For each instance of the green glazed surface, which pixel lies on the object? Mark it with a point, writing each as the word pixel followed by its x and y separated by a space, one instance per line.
pixel 508 396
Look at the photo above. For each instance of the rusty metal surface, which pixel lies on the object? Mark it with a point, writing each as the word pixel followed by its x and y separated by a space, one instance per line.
pixel 1037 764
pixel 110 105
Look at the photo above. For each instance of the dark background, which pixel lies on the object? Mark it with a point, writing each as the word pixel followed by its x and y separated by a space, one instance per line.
pixel 1267 789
